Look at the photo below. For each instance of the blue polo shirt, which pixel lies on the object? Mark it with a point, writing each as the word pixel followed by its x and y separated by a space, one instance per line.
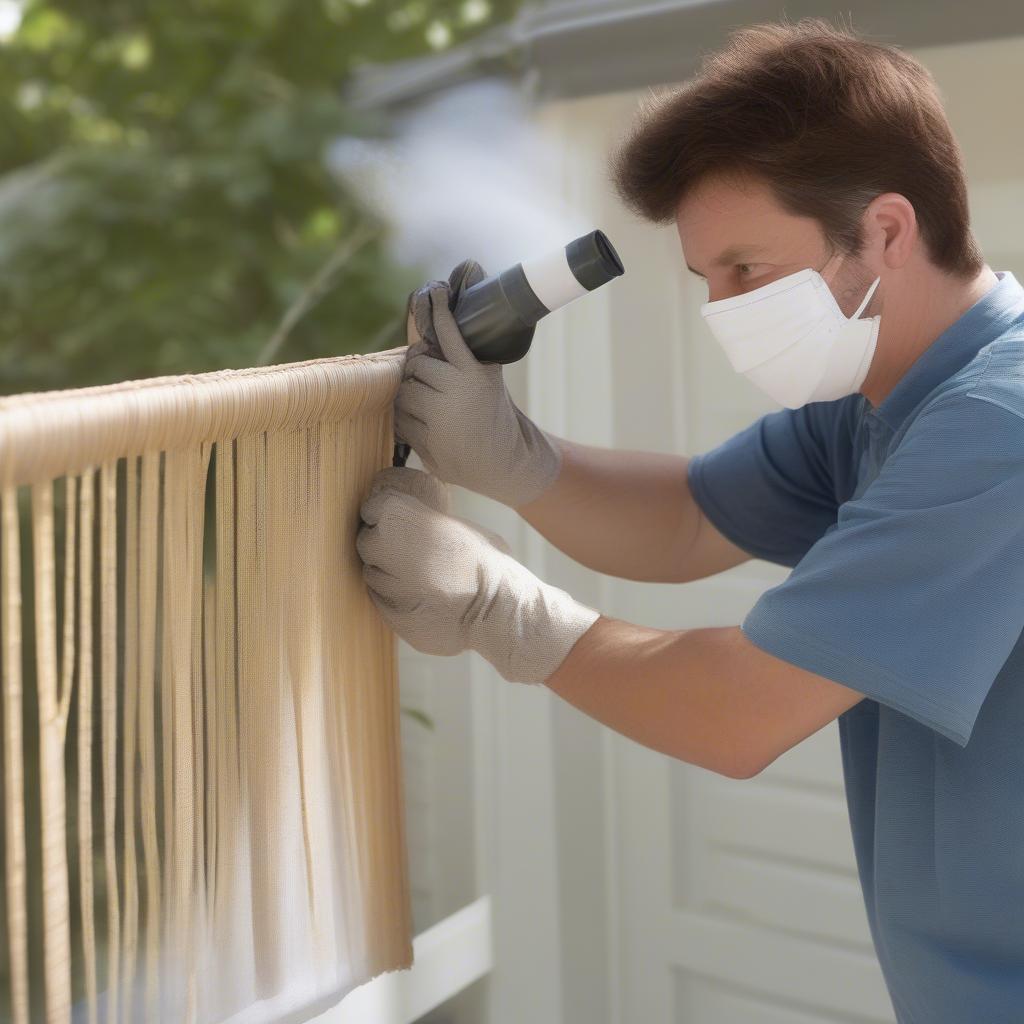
pixel 904 528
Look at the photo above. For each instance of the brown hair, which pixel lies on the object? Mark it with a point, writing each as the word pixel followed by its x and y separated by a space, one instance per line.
pixel 826 119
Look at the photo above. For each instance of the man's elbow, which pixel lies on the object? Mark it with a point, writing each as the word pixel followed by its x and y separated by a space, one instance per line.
pixel 729 766
pixel 744 759
pixel 746 772
pixel 742 770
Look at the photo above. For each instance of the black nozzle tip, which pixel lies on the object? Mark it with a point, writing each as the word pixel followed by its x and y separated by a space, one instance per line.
pixel 593 260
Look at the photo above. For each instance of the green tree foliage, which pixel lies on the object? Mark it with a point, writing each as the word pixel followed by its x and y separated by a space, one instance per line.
pixel 163 198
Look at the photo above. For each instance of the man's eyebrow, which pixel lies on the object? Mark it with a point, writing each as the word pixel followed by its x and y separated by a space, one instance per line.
pixel 731 255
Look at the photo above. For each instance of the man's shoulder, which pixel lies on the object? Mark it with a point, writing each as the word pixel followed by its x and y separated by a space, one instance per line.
pixel 995 375
pixel 999 376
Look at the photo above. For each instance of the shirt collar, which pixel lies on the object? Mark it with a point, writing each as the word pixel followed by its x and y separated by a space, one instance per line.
pixel 991 316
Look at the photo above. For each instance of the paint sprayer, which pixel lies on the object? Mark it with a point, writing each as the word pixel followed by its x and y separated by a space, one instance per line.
pixel 498 315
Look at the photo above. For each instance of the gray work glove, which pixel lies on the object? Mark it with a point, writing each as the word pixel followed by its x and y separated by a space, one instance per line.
pixel 447 585
pixel 456 412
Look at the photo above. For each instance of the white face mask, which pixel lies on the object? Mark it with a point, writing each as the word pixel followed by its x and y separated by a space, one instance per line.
pixel 791 339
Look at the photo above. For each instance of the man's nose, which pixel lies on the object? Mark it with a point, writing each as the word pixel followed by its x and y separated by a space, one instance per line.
pixel 716 292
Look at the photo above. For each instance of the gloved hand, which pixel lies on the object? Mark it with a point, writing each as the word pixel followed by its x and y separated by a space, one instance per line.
pixel 456 412
pixel 446 585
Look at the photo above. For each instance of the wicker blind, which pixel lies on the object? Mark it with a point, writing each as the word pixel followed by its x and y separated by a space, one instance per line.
pixel 202 796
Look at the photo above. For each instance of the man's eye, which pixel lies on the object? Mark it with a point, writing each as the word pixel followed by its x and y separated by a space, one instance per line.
pixel 744 268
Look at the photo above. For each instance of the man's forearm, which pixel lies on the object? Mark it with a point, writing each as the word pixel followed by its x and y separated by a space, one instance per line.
pixel 625 513
pixel 663 688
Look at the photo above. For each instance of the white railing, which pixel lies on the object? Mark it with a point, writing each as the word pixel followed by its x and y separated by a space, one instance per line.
pixel 448 957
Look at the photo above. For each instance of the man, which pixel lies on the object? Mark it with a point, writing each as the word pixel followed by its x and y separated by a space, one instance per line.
pixel 817 188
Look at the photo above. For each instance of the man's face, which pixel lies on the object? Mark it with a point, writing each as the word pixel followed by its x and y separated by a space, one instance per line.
pixel 736 236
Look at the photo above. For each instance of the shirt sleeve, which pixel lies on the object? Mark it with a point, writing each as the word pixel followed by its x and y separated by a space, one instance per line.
pixel 774 488
pixel 916 597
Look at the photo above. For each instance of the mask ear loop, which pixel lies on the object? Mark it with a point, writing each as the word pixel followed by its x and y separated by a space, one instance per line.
pixel 870 291
pixel 867 299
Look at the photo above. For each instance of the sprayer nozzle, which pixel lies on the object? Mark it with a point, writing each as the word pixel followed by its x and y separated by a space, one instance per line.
pixel 497 315
pixel 593 260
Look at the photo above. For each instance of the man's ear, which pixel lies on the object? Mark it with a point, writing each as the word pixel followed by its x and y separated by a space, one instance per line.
pixel 890 224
